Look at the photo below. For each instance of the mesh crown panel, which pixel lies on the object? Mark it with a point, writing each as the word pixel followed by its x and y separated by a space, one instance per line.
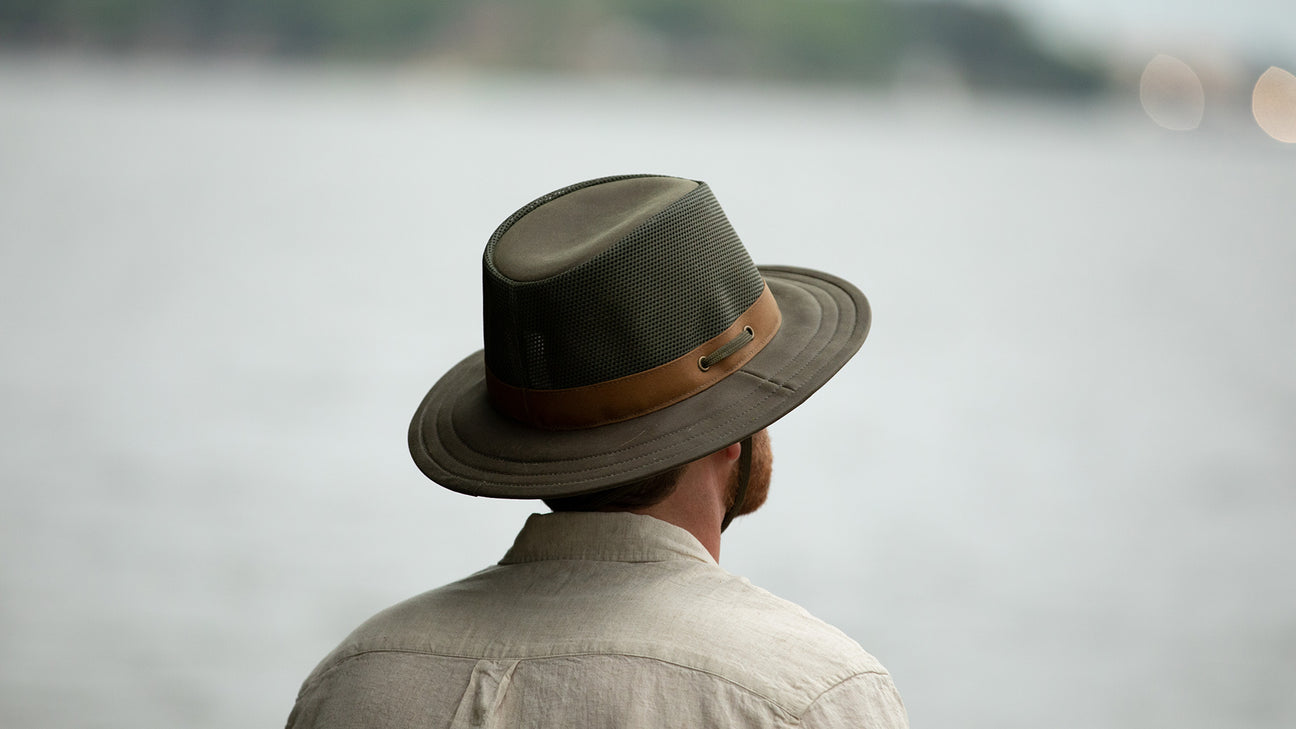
pixel 676 281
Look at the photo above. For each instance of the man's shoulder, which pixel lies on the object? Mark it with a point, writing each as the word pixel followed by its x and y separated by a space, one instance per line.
pixel 690 615
pixel 757 624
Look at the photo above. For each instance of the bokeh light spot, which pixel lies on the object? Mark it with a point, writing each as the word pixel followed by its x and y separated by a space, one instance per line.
pixel 1172 94
pixel 1274 104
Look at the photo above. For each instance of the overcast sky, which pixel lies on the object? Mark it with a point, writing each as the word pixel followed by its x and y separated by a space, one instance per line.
pixel 1261 30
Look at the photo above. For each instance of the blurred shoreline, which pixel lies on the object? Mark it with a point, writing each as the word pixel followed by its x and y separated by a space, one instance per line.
pixel 1227 107
pixel 859 43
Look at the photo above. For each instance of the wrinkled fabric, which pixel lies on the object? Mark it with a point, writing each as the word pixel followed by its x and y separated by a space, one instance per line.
pixel 598 620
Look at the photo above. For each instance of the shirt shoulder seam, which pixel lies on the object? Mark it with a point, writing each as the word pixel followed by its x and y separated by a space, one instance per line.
pixel 836 686
pixel 312 682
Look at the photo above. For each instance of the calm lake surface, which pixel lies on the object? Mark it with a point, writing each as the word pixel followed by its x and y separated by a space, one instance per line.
pixel 1056 488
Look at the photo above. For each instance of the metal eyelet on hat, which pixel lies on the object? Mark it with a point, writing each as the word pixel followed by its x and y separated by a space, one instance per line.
pixel 733 345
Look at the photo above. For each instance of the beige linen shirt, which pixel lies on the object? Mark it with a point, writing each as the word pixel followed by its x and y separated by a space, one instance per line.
pixel 598 620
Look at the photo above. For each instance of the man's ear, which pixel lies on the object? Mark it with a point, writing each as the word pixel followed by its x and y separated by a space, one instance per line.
pixel 731 452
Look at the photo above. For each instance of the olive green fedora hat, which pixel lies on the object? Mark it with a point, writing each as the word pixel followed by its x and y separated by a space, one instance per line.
pixel 626 332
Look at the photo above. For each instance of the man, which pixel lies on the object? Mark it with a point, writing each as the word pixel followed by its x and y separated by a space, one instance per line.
pixel 634 356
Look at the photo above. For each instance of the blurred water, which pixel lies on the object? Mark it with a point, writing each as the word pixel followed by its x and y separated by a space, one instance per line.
pixel 1055 489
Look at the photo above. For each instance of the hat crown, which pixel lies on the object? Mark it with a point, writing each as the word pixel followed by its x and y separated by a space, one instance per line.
pixel 609 278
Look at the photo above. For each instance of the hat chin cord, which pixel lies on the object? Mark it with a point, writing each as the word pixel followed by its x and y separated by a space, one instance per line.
pixel 744 476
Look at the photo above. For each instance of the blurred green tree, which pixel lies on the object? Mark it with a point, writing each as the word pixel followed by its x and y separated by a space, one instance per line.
pixel 828 41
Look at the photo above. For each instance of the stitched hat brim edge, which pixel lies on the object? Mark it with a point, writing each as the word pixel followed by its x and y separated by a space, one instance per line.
pixel 458 440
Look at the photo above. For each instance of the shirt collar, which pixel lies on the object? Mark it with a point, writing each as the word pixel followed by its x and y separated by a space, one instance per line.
pixel 609 537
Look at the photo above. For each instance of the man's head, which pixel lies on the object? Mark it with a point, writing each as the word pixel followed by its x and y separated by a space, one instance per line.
pixel 627 334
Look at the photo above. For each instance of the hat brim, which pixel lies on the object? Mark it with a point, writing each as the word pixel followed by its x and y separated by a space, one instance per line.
pixel 459 441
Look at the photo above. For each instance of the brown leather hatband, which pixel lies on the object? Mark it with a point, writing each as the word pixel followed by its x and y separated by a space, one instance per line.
pixel 643 392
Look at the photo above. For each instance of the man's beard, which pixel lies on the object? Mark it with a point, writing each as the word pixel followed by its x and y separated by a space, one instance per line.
pixel 758 483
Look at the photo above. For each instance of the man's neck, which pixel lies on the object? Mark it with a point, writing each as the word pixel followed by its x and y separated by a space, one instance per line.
pixel 696 505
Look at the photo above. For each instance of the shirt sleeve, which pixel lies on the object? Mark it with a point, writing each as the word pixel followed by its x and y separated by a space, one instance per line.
pixel 863 701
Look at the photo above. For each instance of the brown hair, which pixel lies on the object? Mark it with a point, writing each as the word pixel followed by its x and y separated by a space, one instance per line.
pixel 635 495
